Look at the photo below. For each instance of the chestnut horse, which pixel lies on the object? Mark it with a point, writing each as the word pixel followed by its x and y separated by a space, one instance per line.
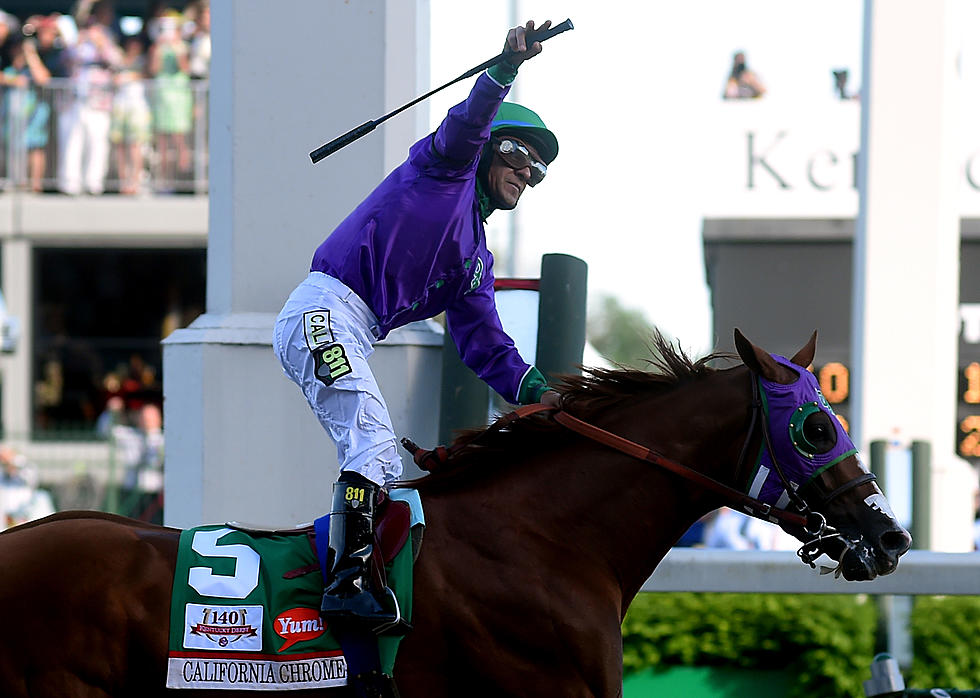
pixel 537 540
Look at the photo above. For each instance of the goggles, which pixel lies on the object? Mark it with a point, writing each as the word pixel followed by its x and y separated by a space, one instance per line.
pixel 517 156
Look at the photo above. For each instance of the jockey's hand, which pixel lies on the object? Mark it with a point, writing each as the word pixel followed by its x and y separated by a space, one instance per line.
pixel 516 44
pixel 551 398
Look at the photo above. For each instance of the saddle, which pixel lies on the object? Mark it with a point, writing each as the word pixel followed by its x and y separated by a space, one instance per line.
pixel 392 526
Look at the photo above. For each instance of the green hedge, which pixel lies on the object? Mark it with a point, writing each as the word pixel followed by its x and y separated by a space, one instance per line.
pixel 825 642
pixel 945 643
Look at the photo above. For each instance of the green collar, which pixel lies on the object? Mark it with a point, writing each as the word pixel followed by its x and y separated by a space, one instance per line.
pixel 486 208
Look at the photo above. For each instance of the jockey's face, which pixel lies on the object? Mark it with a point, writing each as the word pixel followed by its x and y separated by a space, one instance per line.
pixel 507 183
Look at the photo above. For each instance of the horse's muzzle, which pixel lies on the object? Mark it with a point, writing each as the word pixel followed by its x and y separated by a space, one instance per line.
pixel 863 561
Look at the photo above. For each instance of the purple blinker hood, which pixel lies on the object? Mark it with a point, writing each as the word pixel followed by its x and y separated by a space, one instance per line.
pixel 781 403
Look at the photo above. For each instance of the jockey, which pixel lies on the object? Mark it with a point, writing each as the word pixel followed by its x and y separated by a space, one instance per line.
pixel 415 247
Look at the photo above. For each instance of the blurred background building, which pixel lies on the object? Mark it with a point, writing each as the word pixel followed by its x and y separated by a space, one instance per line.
pixel 103 235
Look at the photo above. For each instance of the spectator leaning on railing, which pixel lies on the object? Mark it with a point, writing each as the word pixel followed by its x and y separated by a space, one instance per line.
pixel 50 43
pixel 85 154
pixel 9 25
pixel 26 125
pixel 130 130
pixel 142 487
pixel 200 43
pixel 172 98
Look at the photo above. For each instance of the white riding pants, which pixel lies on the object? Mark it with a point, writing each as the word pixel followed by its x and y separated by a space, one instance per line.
pixel 323 338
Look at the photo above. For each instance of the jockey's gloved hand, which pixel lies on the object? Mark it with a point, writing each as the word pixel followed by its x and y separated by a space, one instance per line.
pixel 551 398
pixel 516 44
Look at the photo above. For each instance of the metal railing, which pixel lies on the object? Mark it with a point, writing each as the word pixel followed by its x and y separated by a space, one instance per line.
pixel 142 137
pixel 780 572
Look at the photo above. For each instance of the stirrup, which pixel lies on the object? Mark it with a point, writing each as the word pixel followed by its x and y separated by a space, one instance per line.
pixel 364 607
pixel 398 614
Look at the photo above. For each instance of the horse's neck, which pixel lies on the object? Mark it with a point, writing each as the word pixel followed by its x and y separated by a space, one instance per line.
pixel 626 513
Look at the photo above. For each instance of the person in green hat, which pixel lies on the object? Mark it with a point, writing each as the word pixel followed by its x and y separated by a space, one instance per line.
pixel 518 140
pixel 414 248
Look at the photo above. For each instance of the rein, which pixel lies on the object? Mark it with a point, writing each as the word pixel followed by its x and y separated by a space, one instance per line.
pixel 749 504
pixel 812 522
pixel 430 459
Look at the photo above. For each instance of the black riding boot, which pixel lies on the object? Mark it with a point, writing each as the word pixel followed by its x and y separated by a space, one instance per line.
pixel 349 594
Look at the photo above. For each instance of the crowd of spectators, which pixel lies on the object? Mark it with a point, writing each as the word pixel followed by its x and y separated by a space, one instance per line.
pixel 94 101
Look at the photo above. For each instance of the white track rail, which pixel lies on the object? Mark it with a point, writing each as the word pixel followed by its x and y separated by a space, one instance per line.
pixel 919 572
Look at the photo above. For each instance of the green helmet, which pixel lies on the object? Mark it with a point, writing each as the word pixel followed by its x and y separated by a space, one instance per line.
pixel 528 126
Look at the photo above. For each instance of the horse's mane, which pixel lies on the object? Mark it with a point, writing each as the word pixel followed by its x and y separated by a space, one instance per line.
pixel 585 396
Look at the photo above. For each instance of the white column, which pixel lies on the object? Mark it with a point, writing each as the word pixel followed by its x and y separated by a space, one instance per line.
pixel 906 262
pixel 18 281
pixel 241 441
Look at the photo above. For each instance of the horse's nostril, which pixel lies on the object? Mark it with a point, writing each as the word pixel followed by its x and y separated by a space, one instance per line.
pixel 895 542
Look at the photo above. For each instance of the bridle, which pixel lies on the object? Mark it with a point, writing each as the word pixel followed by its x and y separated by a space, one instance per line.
pixel 758 409
pixel 809 520
pixel 823 532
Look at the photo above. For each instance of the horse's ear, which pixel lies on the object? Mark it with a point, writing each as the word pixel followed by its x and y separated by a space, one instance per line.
pixel 804 357
pixel 762 364
pixel 755 358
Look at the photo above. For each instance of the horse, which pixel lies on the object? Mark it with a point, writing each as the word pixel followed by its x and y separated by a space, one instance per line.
pixel 538 537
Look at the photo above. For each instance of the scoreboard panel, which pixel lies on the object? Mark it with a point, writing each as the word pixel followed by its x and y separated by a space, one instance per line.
pixel 762 275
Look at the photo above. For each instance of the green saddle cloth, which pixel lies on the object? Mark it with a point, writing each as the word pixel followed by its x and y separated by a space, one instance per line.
pixel 239 621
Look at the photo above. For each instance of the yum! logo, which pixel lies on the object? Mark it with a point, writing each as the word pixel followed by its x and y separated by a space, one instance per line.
pixel 297 625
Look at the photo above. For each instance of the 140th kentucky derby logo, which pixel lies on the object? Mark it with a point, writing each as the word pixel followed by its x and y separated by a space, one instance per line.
pixel 223 627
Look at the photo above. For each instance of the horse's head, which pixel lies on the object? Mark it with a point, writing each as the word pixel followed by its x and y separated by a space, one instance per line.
pixel 808 462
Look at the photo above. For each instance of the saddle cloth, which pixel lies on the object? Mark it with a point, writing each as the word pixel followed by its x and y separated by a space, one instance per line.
pixel 245 606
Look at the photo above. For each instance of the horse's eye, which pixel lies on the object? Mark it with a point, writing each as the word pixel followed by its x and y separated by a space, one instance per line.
pixel 819 432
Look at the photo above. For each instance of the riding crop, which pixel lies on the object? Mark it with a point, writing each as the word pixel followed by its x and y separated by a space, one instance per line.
pixel 368 126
